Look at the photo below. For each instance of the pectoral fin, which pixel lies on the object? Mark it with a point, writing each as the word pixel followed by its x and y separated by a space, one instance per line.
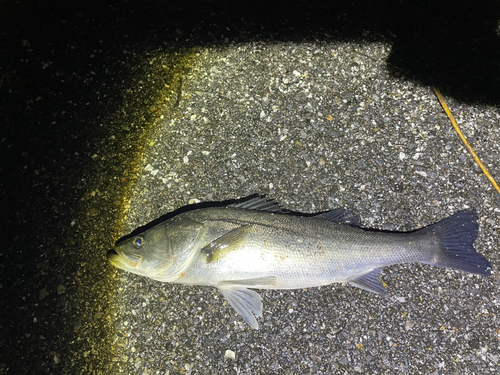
pixel 223 245
pixel 246 302
pixel 370 282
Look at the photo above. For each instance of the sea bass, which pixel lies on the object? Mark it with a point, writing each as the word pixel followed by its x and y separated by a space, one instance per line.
pixel 256 244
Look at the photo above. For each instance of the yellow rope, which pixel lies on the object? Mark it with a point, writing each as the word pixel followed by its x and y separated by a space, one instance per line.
pixel 462 137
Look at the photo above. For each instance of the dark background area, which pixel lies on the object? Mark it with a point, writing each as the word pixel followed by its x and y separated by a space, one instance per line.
pixel 65 66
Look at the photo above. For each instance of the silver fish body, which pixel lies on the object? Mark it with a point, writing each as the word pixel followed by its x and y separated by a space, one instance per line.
pixel 255 245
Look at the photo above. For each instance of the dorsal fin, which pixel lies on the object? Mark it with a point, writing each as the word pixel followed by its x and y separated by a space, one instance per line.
pixel 260 203
pixel 339 215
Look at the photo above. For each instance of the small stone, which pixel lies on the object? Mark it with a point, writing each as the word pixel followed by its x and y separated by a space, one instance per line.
pixel 61 289
pixel 43 293
pixel 230 354
pixel 409 325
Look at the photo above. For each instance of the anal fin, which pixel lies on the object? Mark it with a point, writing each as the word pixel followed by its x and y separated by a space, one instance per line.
pixel 370 281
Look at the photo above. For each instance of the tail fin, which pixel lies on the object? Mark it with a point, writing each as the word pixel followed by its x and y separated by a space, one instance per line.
pixel 456 235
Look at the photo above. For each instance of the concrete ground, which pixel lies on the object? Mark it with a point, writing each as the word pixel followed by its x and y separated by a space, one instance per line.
pixel 120 113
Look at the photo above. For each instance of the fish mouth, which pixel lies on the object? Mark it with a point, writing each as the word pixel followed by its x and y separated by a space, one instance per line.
pixel 120 260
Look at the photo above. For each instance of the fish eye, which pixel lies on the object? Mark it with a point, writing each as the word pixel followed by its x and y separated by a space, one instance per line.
pixel 138 242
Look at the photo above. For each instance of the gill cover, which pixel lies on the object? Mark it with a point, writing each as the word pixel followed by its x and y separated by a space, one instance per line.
pixel 184 238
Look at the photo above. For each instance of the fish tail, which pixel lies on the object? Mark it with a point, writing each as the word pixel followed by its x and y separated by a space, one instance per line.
pixel 455 236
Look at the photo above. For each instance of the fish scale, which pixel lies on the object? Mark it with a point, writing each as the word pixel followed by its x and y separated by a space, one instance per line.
pixel 295 255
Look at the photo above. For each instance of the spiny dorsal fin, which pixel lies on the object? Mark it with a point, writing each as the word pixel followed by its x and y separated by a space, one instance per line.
pixel 260 203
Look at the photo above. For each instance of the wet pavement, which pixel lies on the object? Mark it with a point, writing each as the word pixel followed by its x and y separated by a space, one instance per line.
pixel 116 117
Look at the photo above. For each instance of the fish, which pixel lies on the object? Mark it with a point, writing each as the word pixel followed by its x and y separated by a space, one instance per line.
pixel 255 244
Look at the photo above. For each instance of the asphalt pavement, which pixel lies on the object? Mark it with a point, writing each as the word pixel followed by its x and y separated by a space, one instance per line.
pixel 315 126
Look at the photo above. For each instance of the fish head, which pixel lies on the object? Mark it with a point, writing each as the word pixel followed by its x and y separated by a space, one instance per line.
pixel 146 253
pixel 162 252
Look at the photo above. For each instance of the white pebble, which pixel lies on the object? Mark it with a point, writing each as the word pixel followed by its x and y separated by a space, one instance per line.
pixel 230 354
